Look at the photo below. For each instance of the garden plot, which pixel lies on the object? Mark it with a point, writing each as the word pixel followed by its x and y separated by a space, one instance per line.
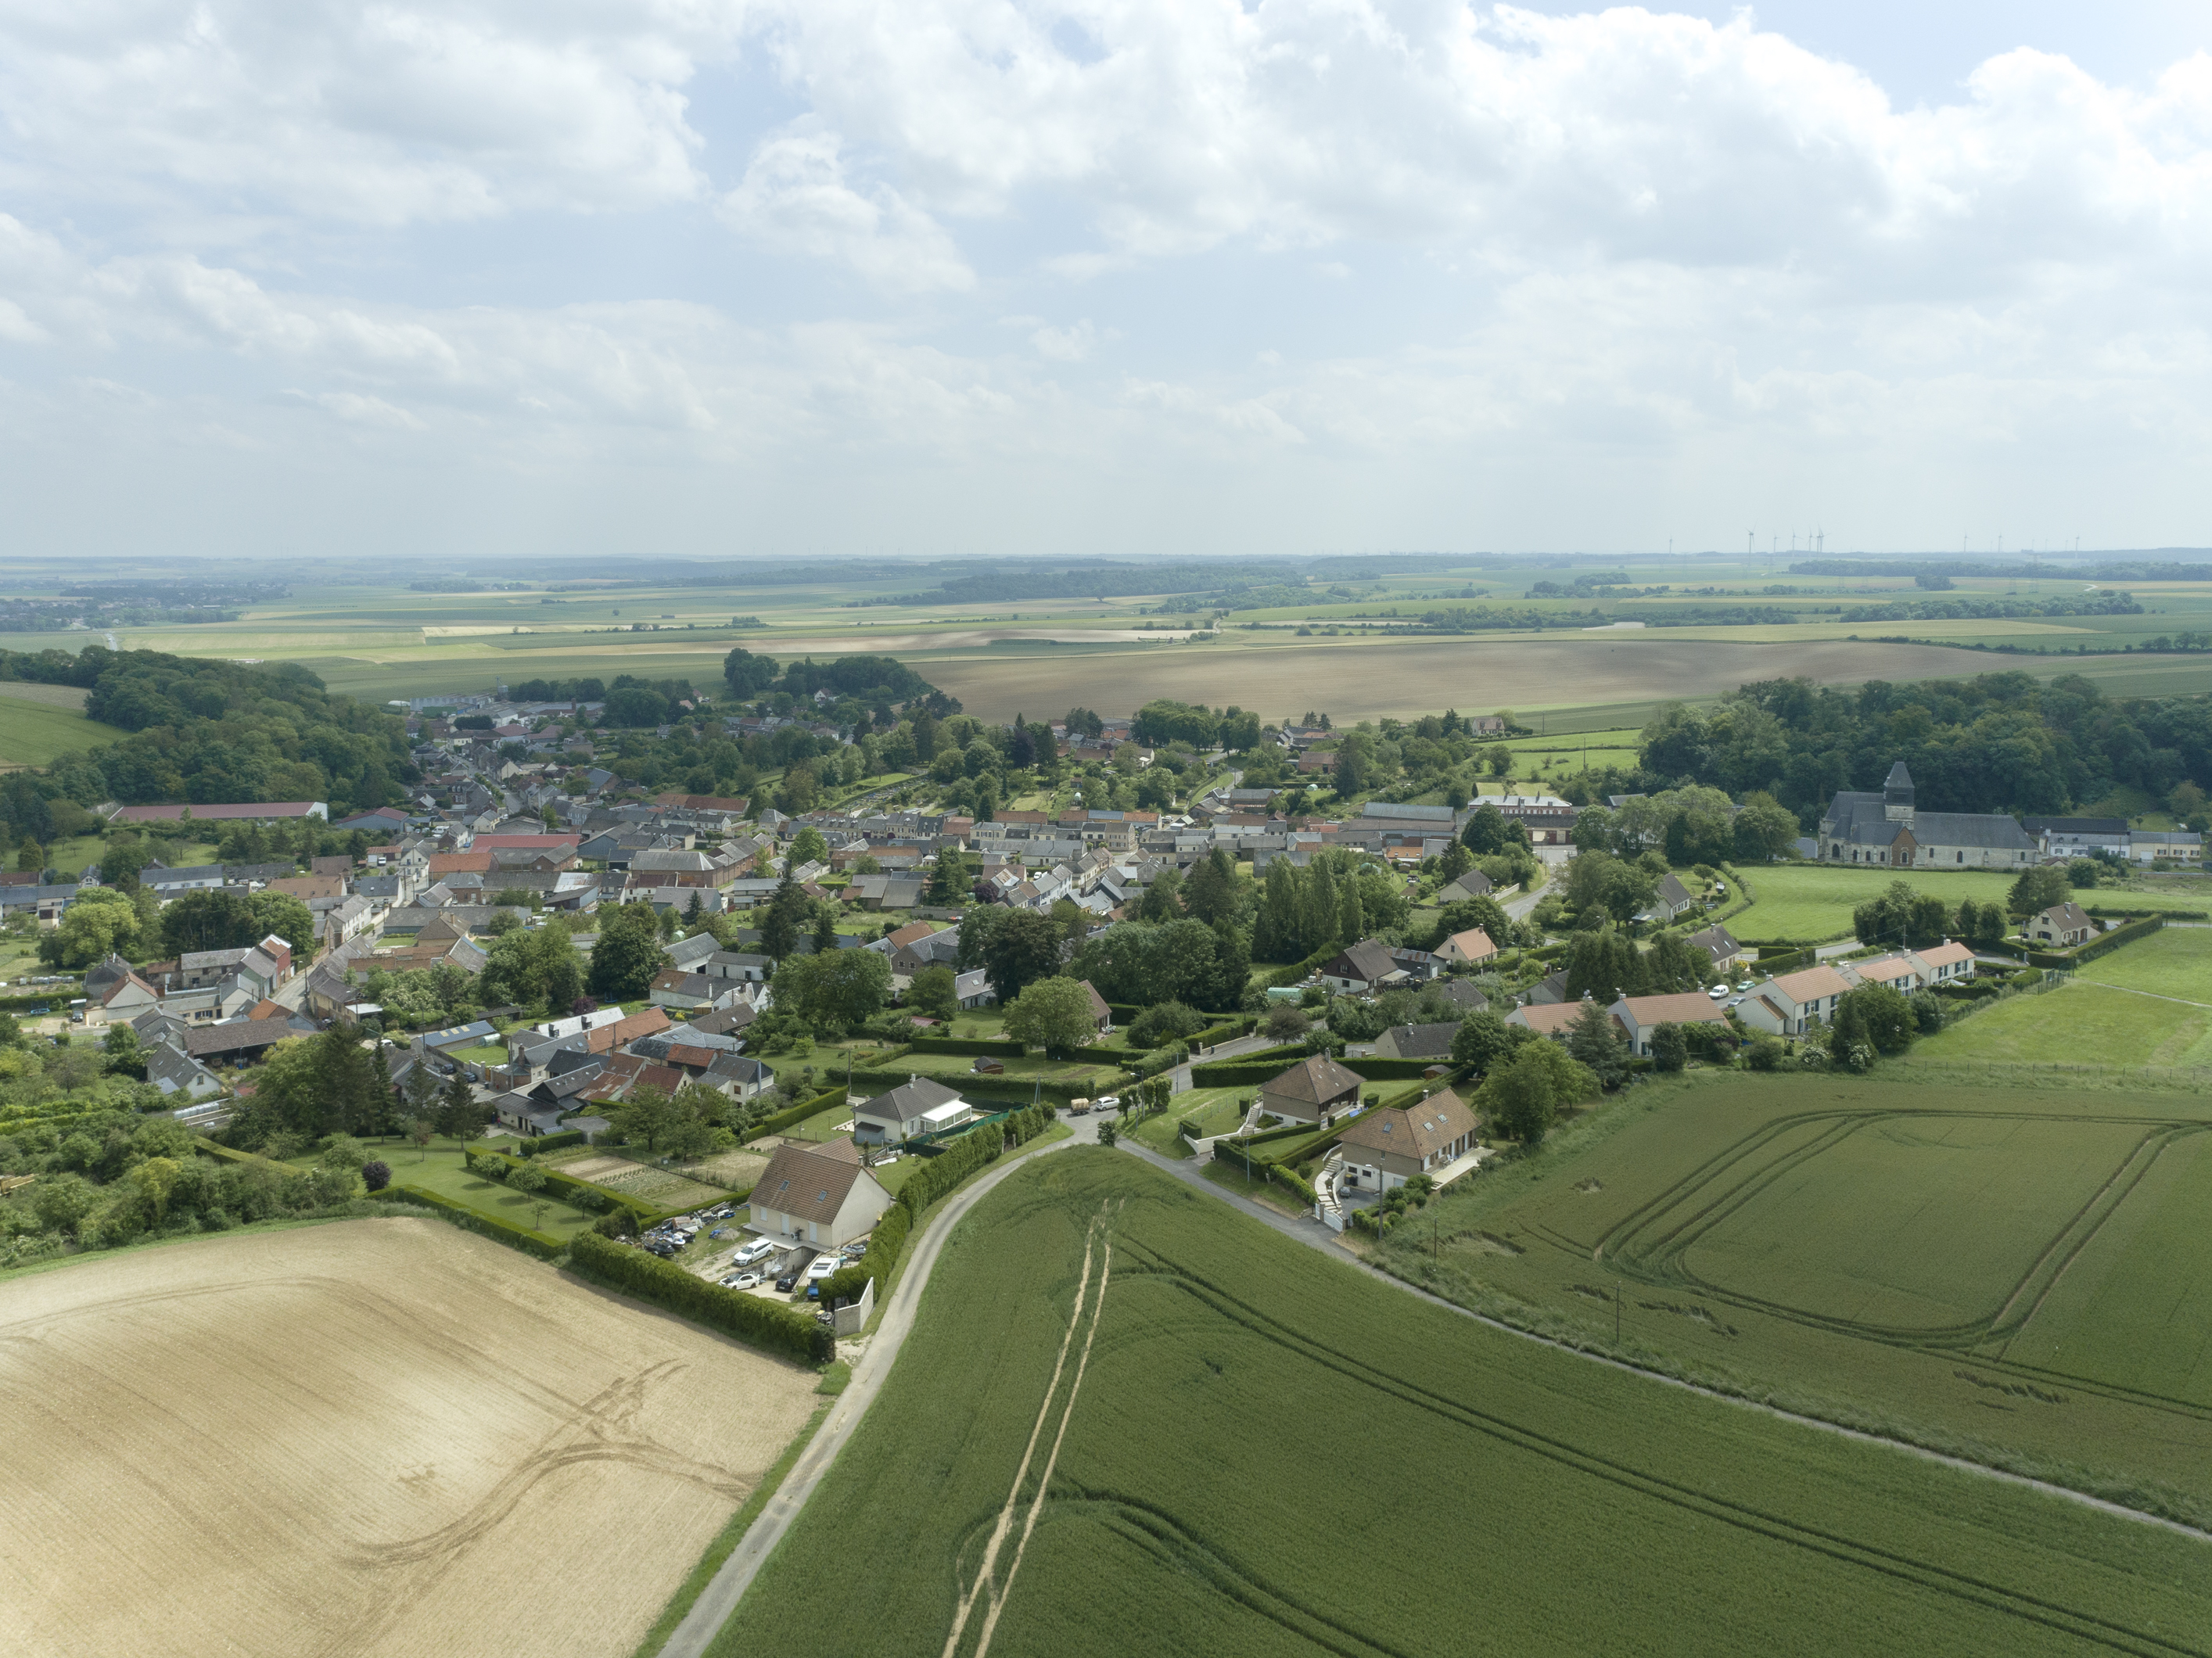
pixel 664 1186
pixel 382 1438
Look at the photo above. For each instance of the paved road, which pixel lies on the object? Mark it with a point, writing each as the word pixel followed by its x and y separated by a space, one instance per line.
pixel 719 1598
pixel 1180 1076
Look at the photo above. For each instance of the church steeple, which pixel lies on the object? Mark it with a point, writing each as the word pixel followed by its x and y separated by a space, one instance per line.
pixel 1897 795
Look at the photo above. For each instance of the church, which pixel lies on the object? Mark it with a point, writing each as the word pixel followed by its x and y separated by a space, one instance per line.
pixel 1886 828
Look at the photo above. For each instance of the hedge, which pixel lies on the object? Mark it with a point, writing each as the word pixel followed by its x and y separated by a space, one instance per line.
pixel 978 1086
pixel 56 1000
pixel 2102 913
pixel 1391 1071
pixel 1234 1073
pixel 800 1113
pixel 1123 1013
pixel 963 1154
pixel 2096 947
pixel 1283 977
pixel 751 1319
pixel 994 1048
pixel 540 1144
pixel 543 1245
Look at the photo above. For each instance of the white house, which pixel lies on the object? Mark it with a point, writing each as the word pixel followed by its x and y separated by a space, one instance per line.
pixel 816 1195
pixel 917 1107
pixel 1792 1004
pixel 1639 1016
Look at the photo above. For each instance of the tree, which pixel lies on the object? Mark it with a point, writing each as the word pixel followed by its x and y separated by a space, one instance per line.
pixel 125 1057
pixel 30 858
pixel 1524 1095
pixel 1211 891
pixel 1286 1024
pixel 825 929
pixel 1765 828
pixel 1849 1047
pixel 1486 832
pixel 376 1175
pixel 214 919
pixel 1605 964
pixel 807 847
pixel 1453 862
pixel 834 990
pixel 628 953
pixel 1596 1041
pixel 1927 1012
pixel 101 923
pixel 2037 889
pixel 948 882
pixel 1053 1014
pixel 420 1131
pixel 1482 1037
pixel 458 1116
pixel 1981 925
pixel 647 1117
pixel 1885 1016
pixel 282 913
pixel 1674 965
pixel 1167 1021
pixel 934 992
pixel 1670 1050
pixel 787 910
pixel 1022 947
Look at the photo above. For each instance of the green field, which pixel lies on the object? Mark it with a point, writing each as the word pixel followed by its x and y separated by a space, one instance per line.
pixel 1814 900
pixel 2080 1025
pixel 34 731
pixel 1973 1267
pixel 1242 1447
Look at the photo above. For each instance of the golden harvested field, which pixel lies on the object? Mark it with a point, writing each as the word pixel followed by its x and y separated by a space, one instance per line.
pixel 373 1439
pixel 1366 678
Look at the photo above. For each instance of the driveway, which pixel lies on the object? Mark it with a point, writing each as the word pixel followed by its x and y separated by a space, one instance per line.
pixel 1179 1078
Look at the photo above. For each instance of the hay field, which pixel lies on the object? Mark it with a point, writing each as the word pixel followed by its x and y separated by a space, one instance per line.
pixel 1814 900
pixel 379 1438
pixel 1956 1260
pixel 1132 1421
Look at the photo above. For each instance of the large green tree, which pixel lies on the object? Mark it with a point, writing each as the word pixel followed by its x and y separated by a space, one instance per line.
pixel 628 953
pixel 834 990
pixel 1053 1014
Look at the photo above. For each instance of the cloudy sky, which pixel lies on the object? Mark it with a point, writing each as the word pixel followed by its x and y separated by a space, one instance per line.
pixel 478 279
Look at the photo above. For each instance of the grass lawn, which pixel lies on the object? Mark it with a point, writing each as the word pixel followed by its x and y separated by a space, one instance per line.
pixel 953 1069
pixel 2083 1024
pixel 1260 1191
pixel 1168 1524
pixel 442 1172
pixel 481 1054
pixel 1215 1109
pixel 1959 1263
pixel 2171 962
pixel 1811 901
pixel 33 733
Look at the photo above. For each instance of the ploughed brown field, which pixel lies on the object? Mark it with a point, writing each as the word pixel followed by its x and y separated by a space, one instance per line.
pixel 371 1438
pixel 1368 678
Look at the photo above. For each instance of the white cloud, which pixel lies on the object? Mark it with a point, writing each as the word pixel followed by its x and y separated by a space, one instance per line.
pixel 796 199
pixel 1066 344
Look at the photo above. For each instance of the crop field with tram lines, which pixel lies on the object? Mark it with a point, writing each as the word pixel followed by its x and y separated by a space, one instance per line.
pixel 2019 1274
pixel 369 1439
pixel 1132 1420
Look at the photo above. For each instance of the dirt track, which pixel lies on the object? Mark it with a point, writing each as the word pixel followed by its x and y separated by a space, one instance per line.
pixel 375 1437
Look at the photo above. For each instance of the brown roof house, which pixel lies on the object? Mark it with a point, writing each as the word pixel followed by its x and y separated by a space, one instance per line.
pixel 1387 1148
pixel 2062 925
pixel 1471 946
pixel 1315 1091
pixel 1639 1016
pixel 816 1195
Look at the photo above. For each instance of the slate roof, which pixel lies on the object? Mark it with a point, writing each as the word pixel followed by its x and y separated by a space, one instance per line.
pixel 1423 1041
pixel 236 1036
pixel 908 1100
pixel 1417 1131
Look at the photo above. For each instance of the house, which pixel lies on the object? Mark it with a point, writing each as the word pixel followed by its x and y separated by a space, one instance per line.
pixel 1547 1019
pixel 1431 1042
pixel 1639 1016
pixel 1317 1091
pixel 1386 1148
pixel 1101 1014
pixel 1473 885
pixel 672 987
pixel 1900 970
pixel 973 989
pixel 2062 926
pixel 2165 846
pixel 922 944
pixel 1471 948
pixel 1792 1004
pixel 818 1196
pixel 917 1107
pixel 1888 829
pixel 1550 988
pixel 1720 945
pixel 238 1042
pixel 1946 962
pixel 1462 994
pixel 2077 837
pixel 1670 900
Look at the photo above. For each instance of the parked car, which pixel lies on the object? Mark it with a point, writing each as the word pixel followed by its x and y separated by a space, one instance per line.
pixel 787 1283
pixel 742 1281
pixel 1109 1101
pixel 758 1249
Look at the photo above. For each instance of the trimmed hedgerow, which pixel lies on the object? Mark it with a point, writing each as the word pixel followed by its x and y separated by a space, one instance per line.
pixel 749 1319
